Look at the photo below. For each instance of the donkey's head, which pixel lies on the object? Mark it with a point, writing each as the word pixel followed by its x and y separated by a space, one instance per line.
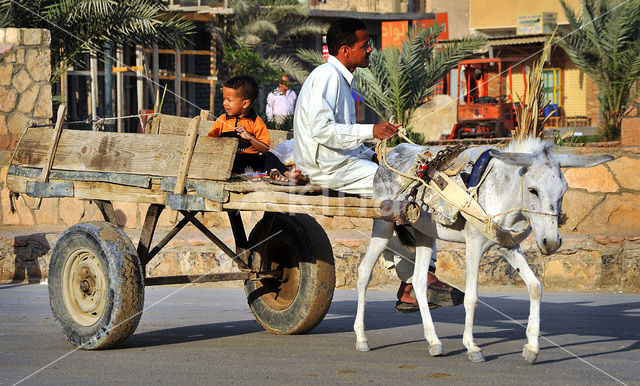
pixel 543 187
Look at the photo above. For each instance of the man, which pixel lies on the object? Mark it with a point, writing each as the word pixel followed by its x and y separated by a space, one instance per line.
pixel 281 101
pixel 329 144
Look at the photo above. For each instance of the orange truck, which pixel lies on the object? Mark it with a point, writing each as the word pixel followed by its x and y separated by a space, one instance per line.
pixel 485 110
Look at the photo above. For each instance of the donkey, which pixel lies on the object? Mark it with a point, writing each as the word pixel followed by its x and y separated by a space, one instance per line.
pixel 523 189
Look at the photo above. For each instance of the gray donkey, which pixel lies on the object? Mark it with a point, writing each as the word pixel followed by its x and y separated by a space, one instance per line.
pixel 523 189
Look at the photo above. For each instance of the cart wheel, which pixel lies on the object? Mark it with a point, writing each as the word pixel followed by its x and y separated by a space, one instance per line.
pixel 96 287
pixel 299 248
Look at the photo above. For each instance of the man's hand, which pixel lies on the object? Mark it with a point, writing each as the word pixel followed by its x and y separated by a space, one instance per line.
pixel 384 130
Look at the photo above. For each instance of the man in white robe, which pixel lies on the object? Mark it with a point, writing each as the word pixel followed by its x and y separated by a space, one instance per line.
pixel 328 143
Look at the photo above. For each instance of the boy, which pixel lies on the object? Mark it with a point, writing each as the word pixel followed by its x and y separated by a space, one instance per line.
pixel 240 121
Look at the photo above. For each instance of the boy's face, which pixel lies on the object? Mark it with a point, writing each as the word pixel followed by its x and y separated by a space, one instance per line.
pixel 233 103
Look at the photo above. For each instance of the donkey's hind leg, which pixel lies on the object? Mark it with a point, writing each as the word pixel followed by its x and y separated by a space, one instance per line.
pixel 518 262
pixel 382 232
pixel 425 245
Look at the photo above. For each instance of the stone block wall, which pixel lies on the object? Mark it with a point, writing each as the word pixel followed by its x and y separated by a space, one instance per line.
pixel 605 199
pixel 25 92
pixel 630 135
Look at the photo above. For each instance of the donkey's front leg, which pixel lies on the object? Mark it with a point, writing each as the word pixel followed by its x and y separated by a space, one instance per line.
pixel 518 262
pixel 474 251
pixel 382 232
pixel 425 245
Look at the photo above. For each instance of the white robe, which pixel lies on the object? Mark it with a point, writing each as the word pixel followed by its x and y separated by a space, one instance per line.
pixel 328 143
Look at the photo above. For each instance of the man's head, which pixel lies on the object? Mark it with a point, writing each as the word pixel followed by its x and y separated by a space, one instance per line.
pixel 238 94
pixel 348 41
pixel 282 86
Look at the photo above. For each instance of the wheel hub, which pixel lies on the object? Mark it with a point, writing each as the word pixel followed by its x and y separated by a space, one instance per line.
pixel 84 287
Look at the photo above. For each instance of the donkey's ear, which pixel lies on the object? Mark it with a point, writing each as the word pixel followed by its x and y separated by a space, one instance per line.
pixel 518 159
pixel 581 161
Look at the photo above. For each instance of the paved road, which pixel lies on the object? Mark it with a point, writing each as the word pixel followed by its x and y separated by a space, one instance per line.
pixel 208 335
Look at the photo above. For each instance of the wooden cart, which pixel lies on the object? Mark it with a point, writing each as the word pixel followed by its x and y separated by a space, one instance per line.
pixel 96 274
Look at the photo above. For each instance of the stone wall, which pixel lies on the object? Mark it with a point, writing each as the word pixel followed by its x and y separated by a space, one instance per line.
pixel 25 92
pixel 604 200
pixel 630 131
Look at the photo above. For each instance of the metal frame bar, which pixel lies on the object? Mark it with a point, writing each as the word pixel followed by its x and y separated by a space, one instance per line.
pixel 237 258
pixel 106 208
pixel 149 228
pixel 146 254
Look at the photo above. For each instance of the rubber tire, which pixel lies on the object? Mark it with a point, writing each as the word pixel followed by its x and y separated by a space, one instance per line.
pixel 310 260
pixel 125 285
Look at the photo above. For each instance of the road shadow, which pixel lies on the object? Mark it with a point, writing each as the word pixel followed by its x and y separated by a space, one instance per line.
pixel 600 323
pixel 594 323
pixel 193 333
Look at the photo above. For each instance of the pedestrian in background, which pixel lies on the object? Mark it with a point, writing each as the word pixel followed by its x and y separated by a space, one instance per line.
pixel 281 101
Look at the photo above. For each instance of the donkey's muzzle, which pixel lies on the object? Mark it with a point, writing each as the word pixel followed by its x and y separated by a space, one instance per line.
pixel 549 246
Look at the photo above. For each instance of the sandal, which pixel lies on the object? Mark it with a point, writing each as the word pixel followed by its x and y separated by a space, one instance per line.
pixel 277 178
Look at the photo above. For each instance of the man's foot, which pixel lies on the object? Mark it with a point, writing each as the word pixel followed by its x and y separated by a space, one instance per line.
pixel 295 176
pixel 439 294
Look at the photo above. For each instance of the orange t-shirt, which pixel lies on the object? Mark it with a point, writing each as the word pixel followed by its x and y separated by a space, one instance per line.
pixel 225 126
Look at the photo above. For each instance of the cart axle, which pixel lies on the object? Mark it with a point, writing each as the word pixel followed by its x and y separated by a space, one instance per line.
pixel 212 277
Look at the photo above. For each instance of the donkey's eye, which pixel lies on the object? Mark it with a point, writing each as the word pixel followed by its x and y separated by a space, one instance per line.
pixel 533 191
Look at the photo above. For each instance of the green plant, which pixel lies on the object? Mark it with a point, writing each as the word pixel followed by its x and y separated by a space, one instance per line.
pixel 286 124
pixel 79 27
pixel 603 41
pixel 399 79
pixel 241 60
pixel 265 26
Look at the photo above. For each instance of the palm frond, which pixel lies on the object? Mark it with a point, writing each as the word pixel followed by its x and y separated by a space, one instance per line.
pixel 604 43
pixel 289 66
pixel 399 79
pixel 312 57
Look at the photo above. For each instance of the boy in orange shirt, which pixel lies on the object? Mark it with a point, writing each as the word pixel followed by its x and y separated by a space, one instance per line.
pixel 240 121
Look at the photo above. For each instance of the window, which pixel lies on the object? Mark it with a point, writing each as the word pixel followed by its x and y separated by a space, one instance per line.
pixel 551 85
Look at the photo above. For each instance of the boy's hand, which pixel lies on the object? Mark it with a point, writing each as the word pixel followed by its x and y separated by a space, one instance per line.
pixel 243 133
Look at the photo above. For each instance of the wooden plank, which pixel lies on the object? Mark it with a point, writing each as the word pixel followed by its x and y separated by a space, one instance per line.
pixel 306 209
pixel 170 124
pixel 108 192
pixel 279 136
pixel 48 162
pixel 129 153
pixel 114 178
pixel 239 186
pixel 294 199
pixel 187 154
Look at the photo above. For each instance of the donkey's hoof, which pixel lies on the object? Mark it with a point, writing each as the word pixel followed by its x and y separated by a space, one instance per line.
pixel 362 346
pixel 435 350
pixel 475 356
pixel 529 355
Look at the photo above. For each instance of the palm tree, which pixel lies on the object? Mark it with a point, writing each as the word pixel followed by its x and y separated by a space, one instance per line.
pixel 264 26
pixel 82 26
pixel 399 79
pixel 604 42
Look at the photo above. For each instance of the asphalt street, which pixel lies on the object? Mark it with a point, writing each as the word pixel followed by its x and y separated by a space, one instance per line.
pixel 208 336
